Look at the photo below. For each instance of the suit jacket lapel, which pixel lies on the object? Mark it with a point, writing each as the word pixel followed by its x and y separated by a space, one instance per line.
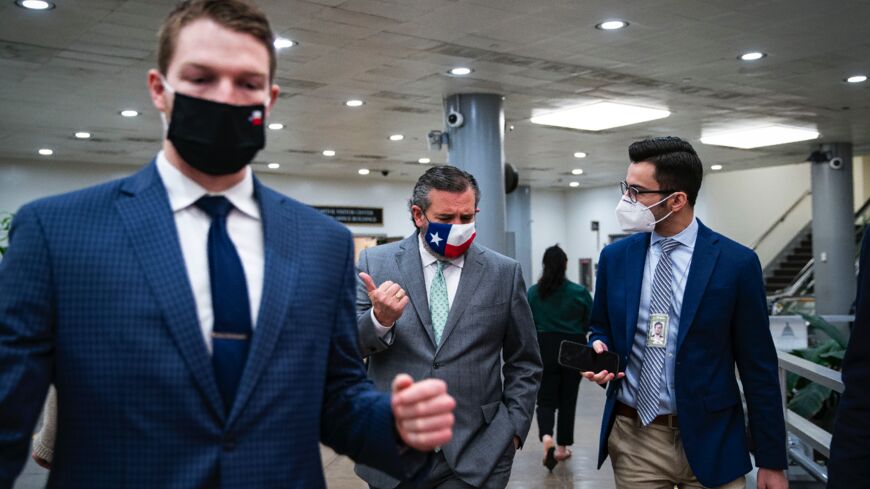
pixel 635 261
pixel 147 217
pixel 411 267
pixel 472 273
pixel 704 258
pixel 280 242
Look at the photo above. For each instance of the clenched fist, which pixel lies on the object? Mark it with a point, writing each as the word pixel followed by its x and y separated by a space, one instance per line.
pixel 423 412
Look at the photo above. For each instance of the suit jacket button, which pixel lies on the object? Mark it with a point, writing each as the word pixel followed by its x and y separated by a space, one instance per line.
pixel 436 365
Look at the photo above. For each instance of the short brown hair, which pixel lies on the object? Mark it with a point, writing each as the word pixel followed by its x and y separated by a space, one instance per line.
pixel 236 15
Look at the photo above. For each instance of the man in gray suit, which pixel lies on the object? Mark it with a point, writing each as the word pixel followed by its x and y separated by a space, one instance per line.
pixel 468 311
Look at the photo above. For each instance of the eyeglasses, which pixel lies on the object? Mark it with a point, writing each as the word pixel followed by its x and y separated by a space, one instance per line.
pixel 633 192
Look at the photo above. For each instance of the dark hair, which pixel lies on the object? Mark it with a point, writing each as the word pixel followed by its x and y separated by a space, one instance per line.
pixel 555 263
pixel 677 164
pixel 442 177
pixel 235 15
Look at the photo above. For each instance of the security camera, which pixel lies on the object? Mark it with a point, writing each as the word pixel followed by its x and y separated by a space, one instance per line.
pixel 836 163
pixel 454 119
pixel 385 172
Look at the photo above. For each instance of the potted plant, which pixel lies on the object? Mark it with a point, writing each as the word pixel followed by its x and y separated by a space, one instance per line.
pixel 5 224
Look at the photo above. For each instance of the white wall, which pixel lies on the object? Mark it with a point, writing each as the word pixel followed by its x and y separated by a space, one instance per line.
pixel 744 204
pixel 740 204
pixel 548 228
pixel 22 182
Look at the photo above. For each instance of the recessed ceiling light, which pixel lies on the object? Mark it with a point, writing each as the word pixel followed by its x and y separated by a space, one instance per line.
pixel 35 4
pixel 599 116
pixel 612 25
pixel 574 184
pixel 83 135
pixel 716 167
pixel 577 171
pixel 129 113
pixel 397 137
pixel 579 154
pixel 460 71
pixel 752 56
pixel 363 171
pixel 276 126
pixel 281 43
pixel 424 161
pixel 856 79
pixel 46 152
pixel 328 152
pixel 757 137
pixel 274 166
pixel 354 103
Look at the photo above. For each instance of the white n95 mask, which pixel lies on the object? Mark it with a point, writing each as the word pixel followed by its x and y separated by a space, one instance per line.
pixel 636 218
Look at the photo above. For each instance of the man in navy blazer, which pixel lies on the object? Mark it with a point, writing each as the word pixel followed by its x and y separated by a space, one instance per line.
pixel 673 414
pixel 199 327
pixel 849 466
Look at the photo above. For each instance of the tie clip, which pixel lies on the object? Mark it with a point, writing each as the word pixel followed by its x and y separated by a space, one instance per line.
pixel 229 336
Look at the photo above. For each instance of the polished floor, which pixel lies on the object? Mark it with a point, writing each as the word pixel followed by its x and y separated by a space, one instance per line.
pixel 577 473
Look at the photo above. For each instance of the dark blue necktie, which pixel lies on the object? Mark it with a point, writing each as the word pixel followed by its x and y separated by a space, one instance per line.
pixel 231 335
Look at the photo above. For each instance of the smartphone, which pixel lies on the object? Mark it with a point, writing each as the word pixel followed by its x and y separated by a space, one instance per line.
pixel 583 358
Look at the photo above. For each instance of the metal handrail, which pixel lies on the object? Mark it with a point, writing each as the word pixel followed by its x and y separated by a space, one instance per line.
pixel 807 432
pixel 781 219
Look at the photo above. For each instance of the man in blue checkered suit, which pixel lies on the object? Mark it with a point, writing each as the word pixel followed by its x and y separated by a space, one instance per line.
pixel 198 326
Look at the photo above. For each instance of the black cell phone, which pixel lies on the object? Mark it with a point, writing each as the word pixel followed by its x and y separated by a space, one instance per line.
pixel 583 358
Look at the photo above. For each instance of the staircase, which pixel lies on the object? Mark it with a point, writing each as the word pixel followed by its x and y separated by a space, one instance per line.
pixel 787 270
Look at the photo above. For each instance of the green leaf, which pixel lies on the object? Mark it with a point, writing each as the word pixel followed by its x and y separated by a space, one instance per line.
pixel 809 401
pixel 839 355
pixel 819 323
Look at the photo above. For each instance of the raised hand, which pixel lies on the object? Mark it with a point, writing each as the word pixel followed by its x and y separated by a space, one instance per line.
pixel 388 300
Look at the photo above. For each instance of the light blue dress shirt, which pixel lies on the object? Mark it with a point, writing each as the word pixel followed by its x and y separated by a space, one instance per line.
pixel 681 257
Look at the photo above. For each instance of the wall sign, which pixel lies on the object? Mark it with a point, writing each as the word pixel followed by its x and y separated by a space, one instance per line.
pixel 354 215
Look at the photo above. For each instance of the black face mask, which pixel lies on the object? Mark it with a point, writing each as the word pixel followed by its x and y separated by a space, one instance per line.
pixel 216 138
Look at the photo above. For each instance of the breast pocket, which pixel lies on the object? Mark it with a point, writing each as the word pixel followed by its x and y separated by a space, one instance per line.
pixel 496 314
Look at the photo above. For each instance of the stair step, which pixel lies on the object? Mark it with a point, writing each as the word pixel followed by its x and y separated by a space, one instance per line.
pixel 786 274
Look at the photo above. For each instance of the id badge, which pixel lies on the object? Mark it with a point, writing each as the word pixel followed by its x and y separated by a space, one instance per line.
pixel 657 332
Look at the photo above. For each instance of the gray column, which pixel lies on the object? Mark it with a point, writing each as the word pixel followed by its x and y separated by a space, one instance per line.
pixel 519 225
pixel 477 146
pixel 833 229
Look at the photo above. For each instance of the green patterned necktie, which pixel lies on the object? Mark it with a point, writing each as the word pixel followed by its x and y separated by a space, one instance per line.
pixel 439 305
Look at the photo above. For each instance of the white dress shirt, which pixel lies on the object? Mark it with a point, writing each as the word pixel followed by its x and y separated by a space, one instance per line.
pixel 192 224
pixel 452 272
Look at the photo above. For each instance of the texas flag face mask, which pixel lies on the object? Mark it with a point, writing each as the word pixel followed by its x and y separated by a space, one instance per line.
pixel 449 240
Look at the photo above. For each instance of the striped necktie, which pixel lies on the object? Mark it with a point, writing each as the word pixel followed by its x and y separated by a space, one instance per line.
pixel 653 368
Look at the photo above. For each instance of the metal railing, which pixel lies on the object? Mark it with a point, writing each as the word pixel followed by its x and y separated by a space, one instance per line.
pixel 781 219
pixel 803 429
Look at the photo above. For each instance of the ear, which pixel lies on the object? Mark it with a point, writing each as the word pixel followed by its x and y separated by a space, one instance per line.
pixel 418 216
pixel 157 90
pixel 679 201
pixel 273 97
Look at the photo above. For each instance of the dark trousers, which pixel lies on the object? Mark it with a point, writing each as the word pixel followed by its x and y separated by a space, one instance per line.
pixel 442 476
pixel 558 390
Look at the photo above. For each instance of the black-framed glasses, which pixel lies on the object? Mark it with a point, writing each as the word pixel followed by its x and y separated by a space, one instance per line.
pixel 633 192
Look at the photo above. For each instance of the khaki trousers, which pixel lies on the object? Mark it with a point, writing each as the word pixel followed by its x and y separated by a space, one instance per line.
pixel 652 457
